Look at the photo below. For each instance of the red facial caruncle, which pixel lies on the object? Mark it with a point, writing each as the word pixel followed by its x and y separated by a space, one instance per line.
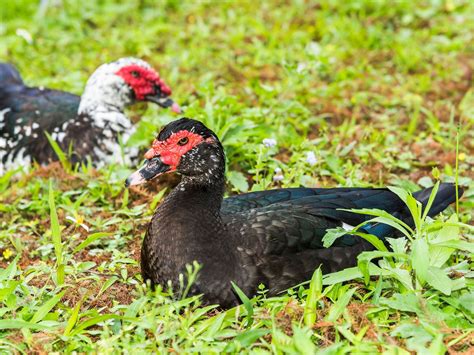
pixel 143 81
pixel 172 149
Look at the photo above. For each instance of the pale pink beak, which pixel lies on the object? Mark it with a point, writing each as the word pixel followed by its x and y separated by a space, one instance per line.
pixel 175 108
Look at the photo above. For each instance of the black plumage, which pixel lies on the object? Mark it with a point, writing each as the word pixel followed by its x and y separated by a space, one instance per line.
pixel 89 128
pixel 270 237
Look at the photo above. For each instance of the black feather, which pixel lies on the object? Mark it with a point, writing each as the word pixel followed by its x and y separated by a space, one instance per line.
pixel 270 237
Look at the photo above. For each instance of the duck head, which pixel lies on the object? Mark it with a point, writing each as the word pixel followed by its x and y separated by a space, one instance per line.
pixel 122 83
pixel 186 146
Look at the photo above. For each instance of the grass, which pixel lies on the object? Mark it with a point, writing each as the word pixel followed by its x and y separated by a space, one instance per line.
pixel 379 92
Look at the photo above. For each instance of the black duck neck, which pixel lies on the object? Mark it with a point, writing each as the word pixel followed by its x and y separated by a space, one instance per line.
pixel 188 227
pixel 193 194
pixel 203 181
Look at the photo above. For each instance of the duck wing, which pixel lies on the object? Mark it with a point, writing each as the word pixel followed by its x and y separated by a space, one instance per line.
pixel 29 112
pixel 281 243
pixel 251 200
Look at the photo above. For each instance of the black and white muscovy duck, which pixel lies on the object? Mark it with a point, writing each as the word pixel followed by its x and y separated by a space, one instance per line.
pixel 270 237
pixel 91 123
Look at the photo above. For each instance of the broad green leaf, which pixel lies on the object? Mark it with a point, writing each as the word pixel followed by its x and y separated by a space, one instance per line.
pixel 438 279
pixel 457 244
pixel 403 276
pixel 352 273
pixel 8 287
pixel 238 180
pixel 342 276
pixel 332 234
pixel 437 345
pixel 458 284
pixel 417 337
pixel 467 301
pixel 398 245
pixel 448 232
pixel 439 255
pixel 364 258
pixel 407 302
pixel 302 341
pixel 420 258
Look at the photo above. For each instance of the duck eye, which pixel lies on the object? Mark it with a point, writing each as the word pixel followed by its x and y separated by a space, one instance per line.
pixel 183 141
pixel 135 74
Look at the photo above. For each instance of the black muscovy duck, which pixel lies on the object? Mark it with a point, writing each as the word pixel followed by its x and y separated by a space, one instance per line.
pixel 270 237
pixel 92 123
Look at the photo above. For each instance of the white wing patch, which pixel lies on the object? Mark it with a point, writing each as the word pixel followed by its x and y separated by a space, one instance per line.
pixel 347 227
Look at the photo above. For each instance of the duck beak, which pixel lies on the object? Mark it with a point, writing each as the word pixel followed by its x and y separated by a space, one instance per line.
pixel 164 101
pixel 151 169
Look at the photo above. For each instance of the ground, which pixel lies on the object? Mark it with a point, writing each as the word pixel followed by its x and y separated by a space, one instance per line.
pixel 354 93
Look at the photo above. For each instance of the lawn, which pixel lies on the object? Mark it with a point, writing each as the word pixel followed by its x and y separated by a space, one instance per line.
pixel 353 93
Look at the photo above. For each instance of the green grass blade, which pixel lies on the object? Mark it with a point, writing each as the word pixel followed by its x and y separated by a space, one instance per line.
pixel 246 302
pixel 93 321
pixel 372 239
pixel 248 337
pixel 20 324
pixel 430 200
pixel 314 293
pixel 338 308
pixel 72 319
pixel 91 239
pixel 46 307
pixel 63 159
pixel 56 235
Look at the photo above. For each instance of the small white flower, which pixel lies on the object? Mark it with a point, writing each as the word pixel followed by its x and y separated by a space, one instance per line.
pixel 21 32
pixel 278 175
pixel 269 142
pixel 79 221
pixel 301 68
pixel 314 49
pixel 311 158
